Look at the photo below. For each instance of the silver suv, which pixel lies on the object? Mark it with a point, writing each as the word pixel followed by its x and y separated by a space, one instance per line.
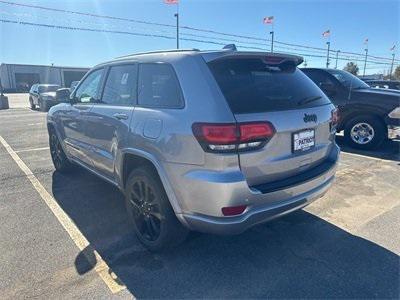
pixel 212 141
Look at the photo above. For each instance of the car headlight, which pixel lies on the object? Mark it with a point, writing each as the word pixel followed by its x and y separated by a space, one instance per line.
pixel 395 113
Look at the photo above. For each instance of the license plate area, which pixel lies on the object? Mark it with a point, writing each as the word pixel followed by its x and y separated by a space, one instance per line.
pixel 303 140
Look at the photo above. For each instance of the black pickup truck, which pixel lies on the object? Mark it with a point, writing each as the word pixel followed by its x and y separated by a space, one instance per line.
pixel 365 114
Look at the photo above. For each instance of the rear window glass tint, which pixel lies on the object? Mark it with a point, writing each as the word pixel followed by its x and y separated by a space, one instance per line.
pixel 159 87
pixel 250 85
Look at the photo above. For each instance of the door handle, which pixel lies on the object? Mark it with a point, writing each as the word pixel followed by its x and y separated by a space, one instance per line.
pixel 120 116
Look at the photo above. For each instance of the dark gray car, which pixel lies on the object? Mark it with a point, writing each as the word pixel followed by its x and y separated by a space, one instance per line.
pixel 43 96
pixel 213 141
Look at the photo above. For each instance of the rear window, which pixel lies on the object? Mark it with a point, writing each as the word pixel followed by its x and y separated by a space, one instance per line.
pixel 48 88
pixel 250 85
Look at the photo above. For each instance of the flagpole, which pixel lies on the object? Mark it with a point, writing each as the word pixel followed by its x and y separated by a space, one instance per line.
pixel 366 55
pixel 177 25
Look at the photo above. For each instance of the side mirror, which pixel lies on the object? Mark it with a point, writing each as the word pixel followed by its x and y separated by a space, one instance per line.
pixel 328 88
pixel 62 95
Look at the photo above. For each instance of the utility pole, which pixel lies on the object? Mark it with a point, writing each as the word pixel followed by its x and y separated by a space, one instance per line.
pixel 327 55
pixel 337 54
pixel 365 61
pixel 177 25
pixel 391 67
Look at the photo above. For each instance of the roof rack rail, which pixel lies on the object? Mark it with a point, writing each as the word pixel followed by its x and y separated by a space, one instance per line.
pixel 158 51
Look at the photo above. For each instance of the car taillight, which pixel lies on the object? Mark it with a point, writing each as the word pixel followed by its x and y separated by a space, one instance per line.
pixel 334 118
pixel 233 137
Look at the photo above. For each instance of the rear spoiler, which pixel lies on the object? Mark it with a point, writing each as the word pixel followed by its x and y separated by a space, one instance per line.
pixel 269 58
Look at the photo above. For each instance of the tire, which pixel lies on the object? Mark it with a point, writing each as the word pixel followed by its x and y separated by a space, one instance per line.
pixel 153 218
pixel 365 132
pixel 43 106
pixel 60 160
pixel 33 106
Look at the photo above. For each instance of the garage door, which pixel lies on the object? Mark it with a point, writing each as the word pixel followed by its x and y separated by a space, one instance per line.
pixel 24 81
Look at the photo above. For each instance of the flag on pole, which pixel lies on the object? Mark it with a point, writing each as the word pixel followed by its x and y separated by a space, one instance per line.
pixel 171 1
pixel 392 49
pixel 268 20
pixel 326 33
pixel 366 41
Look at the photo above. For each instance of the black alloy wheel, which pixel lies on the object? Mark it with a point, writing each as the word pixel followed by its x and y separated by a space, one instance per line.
pixel 145 210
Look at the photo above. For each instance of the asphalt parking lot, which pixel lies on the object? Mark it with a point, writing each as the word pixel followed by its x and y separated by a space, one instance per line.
pixel 68 236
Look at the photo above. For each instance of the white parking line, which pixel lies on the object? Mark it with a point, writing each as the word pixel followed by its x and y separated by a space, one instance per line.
pixel 35 124
pixel 32 149
pixel 366 156
pixel 100 266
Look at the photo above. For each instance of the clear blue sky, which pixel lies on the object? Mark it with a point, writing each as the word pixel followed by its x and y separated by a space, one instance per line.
pixel 299 22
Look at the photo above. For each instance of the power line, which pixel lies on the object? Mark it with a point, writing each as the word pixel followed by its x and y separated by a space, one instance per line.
pixel 74 28
pixel 182 27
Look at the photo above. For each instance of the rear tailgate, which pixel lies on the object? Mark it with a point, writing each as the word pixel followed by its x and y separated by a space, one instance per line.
pixel 261 88
pixel 278 159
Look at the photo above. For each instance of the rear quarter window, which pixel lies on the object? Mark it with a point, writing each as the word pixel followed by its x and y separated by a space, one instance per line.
pixel 250 86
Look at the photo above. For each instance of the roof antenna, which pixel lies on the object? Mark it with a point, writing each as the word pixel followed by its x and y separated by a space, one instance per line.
pixel 231 47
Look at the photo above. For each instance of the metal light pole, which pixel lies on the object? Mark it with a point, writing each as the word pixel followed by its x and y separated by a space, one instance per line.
pixel 327 55
pixel 272 40
pixel 365 61
pixel 177 25
pixel 391 67
pixel 272 37
pixel 337 54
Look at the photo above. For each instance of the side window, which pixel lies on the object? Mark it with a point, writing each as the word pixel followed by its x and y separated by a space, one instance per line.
pixel 319 78
pixel 159 87
pixel 120 87
pixel 87 91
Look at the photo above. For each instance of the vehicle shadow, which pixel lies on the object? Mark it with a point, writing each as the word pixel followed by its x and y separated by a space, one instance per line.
pixel 297 256
pixel 390 150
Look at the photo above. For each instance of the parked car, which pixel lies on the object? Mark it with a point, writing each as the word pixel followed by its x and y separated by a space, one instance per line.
pixel 384 84
pixel 213 141
pixel 43 96
pixel 73 85
pixel 366 114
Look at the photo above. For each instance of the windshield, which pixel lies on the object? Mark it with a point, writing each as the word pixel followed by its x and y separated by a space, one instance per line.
pixel 349 80
pixel 74 84
pixel 48 88
pixel 250 85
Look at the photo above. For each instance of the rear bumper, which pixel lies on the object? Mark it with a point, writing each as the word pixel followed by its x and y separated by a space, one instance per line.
pixel 261 214
pixel 392 121
pixel 261 207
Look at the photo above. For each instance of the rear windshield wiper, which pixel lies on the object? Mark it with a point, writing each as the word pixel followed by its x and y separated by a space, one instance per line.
pixel 308 100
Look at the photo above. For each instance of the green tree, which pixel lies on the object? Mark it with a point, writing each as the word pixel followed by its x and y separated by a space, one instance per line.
pixel 351 68
pixel 396 74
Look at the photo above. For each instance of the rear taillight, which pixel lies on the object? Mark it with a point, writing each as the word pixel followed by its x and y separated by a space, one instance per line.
pixel 233 137
pixel 334 118
pixel 233 210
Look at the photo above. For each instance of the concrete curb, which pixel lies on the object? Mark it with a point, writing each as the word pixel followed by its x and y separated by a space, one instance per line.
pixel 4 102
